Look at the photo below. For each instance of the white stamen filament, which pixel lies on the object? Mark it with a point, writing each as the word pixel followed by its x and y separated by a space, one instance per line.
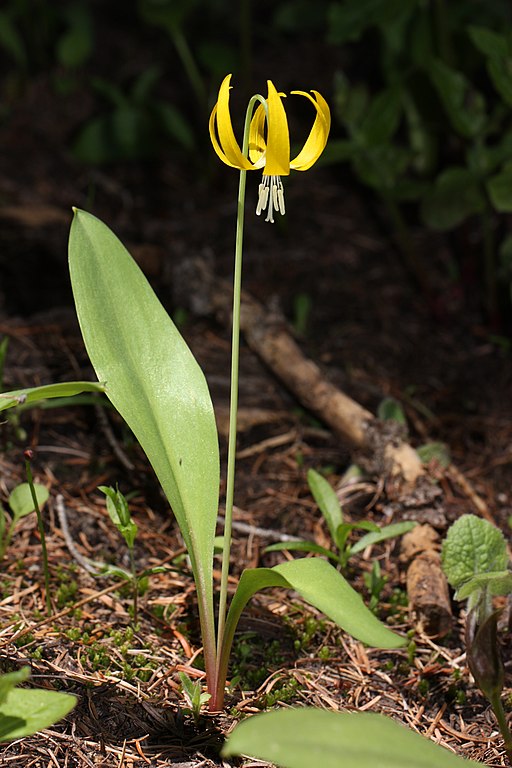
pixel 271 193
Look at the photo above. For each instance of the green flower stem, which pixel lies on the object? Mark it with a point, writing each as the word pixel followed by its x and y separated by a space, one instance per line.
pixel 30 480
pixel 497 706
pixel 233 408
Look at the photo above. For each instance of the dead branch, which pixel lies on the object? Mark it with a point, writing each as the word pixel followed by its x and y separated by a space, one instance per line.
pixel 427 588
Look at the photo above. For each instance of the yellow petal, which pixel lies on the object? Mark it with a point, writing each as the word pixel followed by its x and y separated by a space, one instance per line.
pixel 277 158
pixel 317 139
pixel 226 146
pixel 257 143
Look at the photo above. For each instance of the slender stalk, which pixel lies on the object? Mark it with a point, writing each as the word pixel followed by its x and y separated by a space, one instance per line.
pixel 135 587
pixel 216 700
pixel 30 480
pixel 497 706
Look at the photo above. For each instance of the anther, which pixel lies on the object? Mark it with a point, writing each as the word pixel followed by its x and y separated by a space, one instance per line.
pixel 271 194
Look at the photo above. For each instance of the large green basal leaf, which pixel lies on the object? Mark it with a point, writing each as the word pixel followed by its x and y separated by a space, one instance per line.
pixel 315 738
pixel 153 380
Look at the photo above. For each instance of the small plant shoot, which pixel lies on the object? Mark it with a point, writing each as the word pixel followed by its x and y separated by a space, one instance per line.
pixel 330 507
pixel 475 561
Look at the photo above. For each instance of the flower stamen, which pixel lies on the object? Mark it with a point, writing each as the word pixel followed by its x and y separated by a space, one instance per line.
pixel 271 194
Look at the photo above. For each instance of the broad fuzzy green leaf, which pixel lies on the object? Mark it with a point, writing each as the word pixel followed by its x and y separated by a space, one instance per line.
pixel 495 582
pixel 36 394
pixel 472 546
pixel 154 382
pixel 307 738
pixel 21 501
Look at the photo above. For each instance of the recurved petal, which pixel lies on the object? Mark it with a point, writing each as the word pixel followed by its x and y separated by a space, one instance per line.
pixel 317 139
pixel 277 158
pixel 226 145
pixel 257 142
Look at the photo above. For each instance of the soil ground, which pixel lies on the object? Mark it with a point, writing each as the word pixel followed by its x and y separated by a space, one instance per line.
pixel 375 335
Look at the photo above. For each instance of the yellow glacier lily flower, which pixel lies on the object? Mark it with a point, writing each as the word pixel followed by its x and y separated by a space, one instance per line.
pixel 269 142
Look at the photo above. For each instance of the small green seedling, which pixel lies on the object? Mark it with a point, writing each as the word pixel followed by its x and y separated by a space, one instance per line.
pixel 476 564
pixel 23 712
pixel 301 738
pixel 332 512
pixel 119 513
pixel 375 583
pixel 192 691
pixel 21 504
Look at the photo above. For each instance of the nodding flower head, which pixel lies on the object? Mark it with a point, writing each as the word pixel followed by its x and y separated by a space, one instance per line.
pixel 268 142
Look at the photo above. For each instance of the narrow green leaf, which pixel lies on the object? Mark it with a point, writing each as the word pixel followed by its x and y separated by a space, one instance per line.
pixel 306 738
pixel 21 502
pixel 322 586
pixel 154 382
pixel 327 501
pixel 387 532
pixel 119 513
pixel 301 546
pixel 34 394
